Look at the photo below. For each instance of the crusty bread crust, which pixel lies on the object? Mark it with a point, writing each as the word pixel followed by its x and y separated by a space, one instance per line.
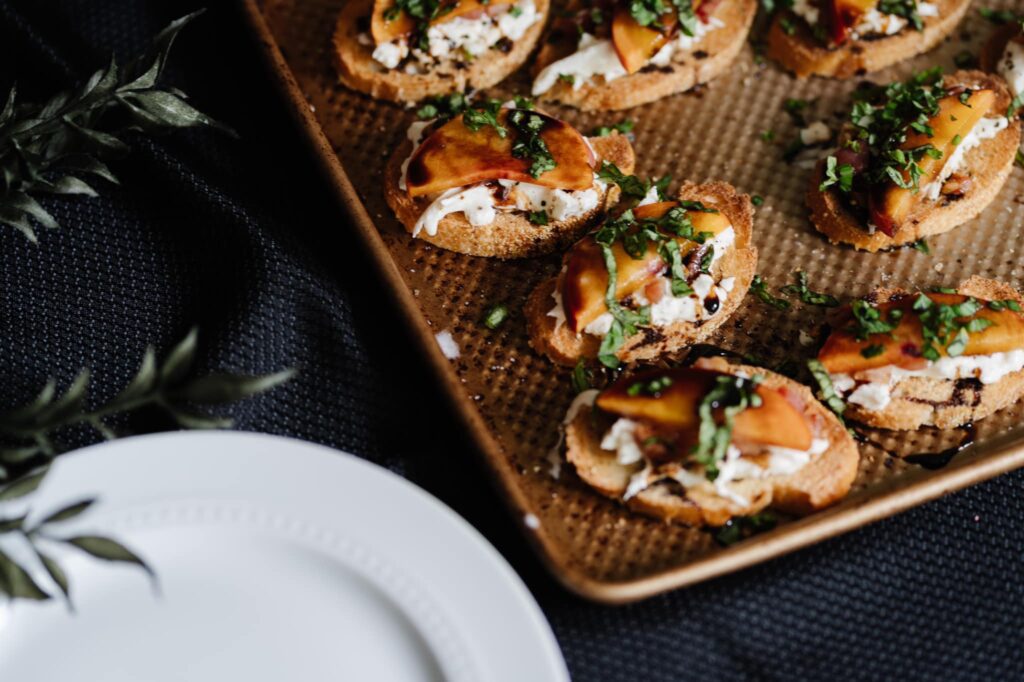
pixel 989 165
pixel 511 235
pixel 565 348
pixel 802 54
pixel 820 483
pixel 919 401
pixel 712 56
pixel 358 70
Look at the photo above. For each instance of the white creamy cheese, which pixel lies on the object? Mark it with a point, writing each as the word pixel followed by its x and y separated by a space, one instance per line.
pixel 872 389
pixel 1011 67
pixel 415 135
pixel 479 205
pixel 583 399
pixel 559 204
pixel 621 440
pixel 390 55
pixel 816 133
pixel 595 57
pixel 475 202
pixel 985 129
pixel 462 36
pixel 806 10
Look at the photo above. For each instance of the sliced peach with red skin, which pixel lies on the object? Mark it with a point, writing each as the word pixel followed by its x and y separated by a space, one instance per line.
pixel 636 44
pixel 585 281
pixel 384 30
pixel 842 352
pixel 953 122
pixel 842 15
pixel 455 156
pixel 775 422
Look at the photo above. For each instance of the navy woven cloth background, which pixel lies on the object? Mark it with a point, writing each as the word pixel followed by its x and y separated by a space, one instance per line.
pixel 242 238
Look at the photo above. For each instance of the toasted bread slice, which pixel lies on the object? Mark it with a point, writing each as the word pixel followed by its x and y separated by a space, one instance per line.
pixel 511 235
pixel 946 404
pixel 711 57
pixel 799 51
pixel 564 347
pixel 988 165
pixel 358 70
pixel 824 480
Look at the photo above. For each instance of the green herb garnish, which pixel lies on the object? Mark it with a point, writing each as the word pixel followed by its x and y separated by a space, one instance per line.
pixel 581 378
pixel 921 245
pixel 806 294
pixel 529 144
pixel 759 288
pixel 742 527
pixel 625 126
pixel 654 387
pixel 484 114
pixel 538 217
pixel 826 391
pixel 730 395
pixel 837 174
pixel 496 315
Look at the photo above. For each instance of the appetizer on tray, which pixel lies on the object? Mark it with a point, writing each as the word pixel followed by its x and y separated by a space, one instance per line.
pixel 618 54
pixel 904 360
pixel 406 51
pixel 652 280
pixel 847 38
pixel 501 180
pixel 703 444
pixel 915 159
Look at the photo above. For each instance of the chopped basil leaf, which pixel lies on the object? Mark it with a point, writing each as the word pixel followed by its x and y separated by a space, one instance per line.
pixel 483 115
pixel 759 288
pixel 872 350
pixel 581 379
pixel 625 126
pixel 496 315
pixel 921 245
pixel 538 217
pixel 757 200
pixel 826 391
pixel 729 396
pixel 806 294
pixel 837 174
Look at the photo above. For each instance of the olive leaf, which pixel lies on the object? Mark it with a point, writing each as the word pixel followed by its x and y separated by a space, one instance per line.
pixel 29 434
pixel 29 440
pixel 59 146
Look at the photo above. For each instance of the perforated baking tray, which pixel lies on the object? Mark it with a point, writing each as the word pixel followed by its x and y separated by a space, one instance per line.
pixel 512 400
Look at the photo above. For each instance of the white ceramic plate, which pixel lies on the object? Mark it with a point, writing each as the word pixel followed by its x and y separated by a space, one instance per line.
pixel 277 560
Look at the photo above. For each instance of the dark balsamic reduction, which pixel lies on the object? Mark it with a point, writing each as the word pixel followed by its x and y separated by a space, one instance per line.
pixel 926 460
pixel 937 460
pixel 711 304
pixel 707 350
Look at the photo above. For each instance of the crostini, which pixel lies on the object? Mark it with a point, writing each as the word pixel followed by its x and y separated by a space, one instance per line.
pixel 405 51
pixel 703 444
pixel 903 360
pixel 847 38
pixel 501 180
pixel 1004 54
pixel 616 54
pixel 652 280
pixel 915 159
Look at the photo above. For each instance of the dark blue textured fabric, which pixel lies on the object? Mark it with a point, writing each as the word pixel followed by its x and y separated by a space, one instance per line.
pixel 242 239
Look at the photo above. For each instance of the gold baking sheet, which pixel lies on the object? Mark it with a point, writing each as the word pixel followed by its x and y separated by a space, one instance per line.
pixel 512 400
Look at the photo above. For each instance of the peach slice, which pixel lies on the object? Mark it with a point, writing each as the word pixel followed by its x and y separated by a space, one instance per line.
pixel 636 44
pixel 841 15
pixel 776 422
pixel 954 122
pixel 455 156
pixel 842 354
pixel 384 31
pixel 586 278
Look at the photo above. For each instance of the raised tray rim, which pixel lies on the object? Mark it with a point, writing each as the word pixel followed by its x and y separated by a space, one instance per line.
pixel 1005 455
